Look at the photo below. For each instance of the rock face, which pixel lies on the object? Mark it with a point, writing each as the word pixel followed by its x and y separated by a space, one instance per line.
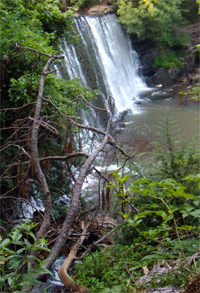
pixel 187 74
pixel 100 9
pixel 104 7
pixel 147 52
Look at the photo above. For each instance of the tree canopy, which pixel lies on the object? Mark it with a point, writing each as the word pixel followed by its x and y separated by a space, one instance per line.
pixel 154 19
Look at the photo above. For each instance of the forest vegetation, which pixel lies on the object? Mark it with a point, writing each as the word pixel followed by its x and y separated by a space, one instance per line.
pixel 156 205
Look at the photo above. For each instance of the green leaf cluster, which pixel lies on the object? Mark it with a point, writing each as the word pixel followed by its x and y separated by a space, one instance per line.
pixel 17 271
pixel 169 60
pixel 192 92
pixel 34 23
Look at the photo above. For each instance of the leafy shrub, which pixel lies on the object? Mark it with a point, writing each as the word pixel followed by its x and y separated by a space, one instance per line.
pixel 192 92
pixel 163 221
pixel 171 60
pixel 17 270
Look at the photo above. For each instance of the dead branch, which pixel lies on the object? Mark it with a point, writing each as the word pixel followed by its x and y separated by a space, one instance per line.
pixel 12 189
pixel 92 106
pixel 108 234
pixel 34 149
pixel 17 108
pixel 14 127
pixel 76 193
pixel 48 100
pixel 17 146
pixel 62 158
pixel 8 167
pixel 111 140
pixel 22 200
pixel 35 51
pixel 47 126
pixel 62 272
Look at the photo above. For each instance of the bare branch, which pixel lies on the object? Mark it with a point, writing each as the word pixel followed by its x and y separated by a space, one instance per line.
pixel 92 106
pixel 35 153
pixel 61 158
pixel 47 126
pixel 111 139
pixel 76 193
pixel 48 100
pixel 38 52
pixel 17 108
pixel 17 146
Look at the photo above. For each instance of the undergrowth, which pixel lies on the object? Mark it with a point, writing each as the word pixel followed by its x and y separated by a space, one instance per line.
pixel 160 229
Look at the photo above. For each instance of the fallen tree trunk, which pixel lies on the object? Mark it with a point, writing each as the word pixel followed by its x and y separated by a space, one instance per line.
pixel 62 272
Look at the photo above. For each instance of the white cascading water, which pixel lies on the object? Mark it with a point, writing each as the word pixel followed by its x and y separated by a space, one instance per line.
pixel 114 63
pixel 72 64
pixel 118 62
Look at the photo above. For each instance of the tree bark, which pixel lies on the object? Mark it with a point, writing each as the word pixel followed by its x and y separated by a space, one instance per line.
pixel 76 193
pixel 35 154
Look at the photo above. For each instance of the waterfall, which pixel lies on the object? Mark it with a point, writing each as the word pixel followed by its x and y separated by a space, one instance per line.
pixel 72 64
pixel 104 59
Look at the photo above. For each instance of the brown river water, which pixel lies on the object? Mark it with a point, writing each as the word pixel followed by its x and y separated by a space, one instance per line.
pixel 139 128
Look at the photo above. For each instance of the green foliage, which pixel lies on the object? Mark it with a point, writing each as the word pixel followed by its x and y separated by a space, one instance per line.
pixel 161 224
pixel 106 270
pixel 34 18
pixel 64 93
pixel 32 24
pixel 118 267
pixel 23 31
pixel 170 60
pixel 198 3
pixel 155 20
pixel 17 271
pixel 193 93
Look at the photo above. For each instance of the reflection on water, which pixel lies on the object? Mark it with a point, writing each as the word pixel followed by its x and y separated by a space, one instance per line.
pixel 142 126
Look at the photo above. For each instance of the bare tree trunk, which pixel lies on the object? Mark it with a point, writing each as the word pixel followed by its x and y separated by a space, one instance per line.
pixel 35 154
pixel 76 193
